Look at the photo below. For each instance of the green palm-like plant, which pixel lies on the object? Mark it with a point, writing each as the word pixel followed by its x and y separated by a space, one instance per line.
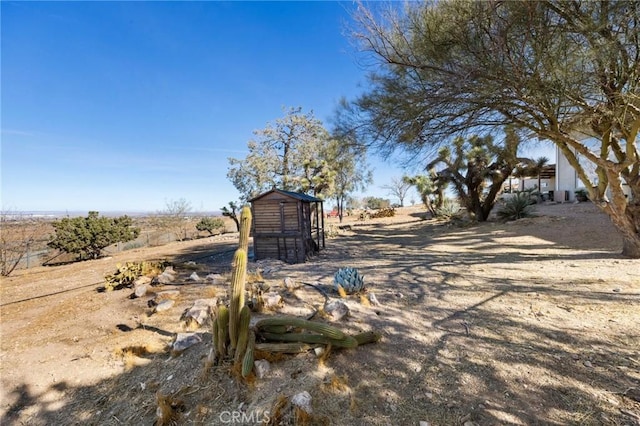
pixel 517 207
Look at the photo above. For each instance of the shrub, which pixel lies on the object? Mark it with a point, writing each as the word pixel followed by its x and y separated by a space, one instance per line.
pixel 581 194
pixel 517 207
pixel 210 224
pixel 86 237
pixel 448 210
pixel 126 274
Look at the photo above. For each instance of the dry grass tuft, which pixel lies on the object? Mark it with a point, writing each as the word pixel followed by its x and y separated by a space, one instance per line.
pixel 269 356
pixel 302 418
pixel 341 292
pixel 325 356
pixel 190 324
pixel 337 384
pixel 276 413
pixel 134 356
pixel 168 410
pixel 209 292
pixel 254 277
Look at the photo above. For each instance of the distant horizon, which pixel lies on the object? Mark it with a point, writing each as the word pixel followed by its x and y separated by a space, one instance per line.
pixel 107 213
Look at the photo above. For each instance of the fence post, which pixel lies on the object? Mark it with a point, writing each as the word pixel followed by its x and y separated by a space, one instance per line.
pixel 28 255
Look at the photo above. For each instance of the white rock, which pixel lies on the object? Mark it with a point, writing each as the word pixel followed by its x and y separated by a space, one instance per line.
pixel 290 284
pixel 166 277
pixel 423 423
pixel 336 310
pixel 319 351
pixel 271 299
pixel 185 340
pixel 194 277
pixel 215 278
pixel 303 401
pixel 200 310
pixel 262 367
pixel 140 290
pixel 142 280
pixel 165 305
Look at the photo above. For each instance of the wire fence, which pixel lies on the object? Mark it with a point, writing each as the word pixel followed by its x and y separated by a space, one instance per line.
pixel 36 253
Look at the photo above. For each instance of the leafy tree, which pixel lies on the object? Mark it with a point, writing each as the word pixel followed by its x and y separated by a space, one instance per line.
pixel 232 212
pixel 567 71
pixel 351 170
pixel 398 188
pixel 210 224
pixel 477 168
pixel 376 203
pixel 290 154
pixel 86 237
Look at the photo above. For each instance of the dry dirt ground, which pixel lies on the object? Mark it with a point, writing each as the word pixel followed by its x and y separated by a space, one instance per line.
pixel 535 322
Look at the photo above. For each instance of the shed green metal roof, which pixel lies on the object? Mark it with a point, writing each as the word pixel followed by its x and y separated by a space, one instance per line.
pixel 295 195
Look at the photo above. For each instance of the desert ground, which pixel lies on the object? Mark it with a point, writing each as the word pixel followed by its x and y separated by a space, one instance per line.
pixel 532 322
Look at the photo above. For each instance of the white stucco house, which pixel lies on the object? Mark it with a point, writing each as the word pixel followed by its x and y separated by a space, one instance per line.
pixel 559 181
pixel 567 181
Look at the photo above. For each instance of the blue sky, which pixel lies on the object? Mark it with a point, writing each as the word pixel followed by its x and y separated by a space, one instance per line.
pixel 128 105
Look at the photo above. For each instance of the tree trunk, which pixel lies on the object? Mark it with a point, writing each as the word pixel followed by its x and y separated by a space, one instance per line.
pixel 631 247
pixel 626 221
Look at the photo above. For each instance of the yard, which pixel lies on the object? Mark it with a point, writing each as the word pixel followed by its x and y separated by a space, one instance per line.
pixel 532 322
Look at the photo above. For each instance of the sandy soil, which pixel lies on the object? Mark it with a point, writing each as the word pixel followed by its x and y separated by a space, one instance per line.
pixel 531 322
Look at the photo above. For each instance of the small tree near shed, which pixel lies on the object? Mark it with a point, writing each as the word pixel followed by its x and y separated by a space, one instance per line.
pixel 86 237
pixel 212 225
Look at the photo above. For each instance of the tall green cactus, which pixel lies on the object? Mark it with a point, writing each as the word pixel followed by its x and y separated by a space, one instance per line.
pixel 243 333
pixel 223 330
pixel 245 228
pixel 236 293
pixel 247 361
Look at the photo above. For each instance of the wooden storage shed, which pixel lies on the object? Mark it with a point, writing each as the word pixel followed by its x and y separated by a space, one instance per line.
pixel 287 225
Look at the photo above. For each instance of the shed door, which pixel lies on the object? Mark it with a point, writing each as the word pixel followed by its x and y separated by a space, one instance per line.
pixel 289 218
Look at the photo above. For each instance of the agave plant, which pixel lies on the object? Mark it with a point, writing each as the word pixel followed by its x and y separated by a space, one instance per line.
pixel 349 279
pixel 517 207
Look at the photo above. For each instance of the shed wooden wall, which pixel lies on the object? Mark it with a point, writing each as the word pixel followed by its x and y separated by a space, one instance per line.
pixel 279 229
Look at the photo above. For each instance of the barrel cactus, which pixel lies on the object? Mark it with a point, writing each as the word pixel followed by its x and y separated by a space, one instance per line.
pixel 349 279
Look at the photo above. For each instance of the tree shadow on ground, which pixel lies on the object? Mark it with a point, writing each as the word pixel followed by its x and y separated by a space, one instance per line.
pixel 459 344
